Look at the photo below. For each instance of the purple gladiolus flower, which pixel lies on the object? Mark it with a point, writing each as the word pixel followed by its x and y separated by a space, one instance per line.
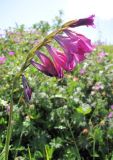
pixel 48 67
pixel 61 58
pixel 84 21
pixel 27 89
pixel 74 45
pixel 2 60
pixel 11 53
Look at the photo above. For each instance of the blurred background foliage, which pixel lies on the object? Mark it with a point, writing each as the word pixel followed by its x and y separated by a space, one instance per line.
pixel 67 119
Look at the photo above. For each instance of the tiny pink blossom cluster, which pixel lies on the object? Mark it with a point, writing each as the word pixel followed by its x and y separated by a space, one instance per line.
pixel 98 86
pixel 11 53
pixel 82 71
pixel 110 115
pixel 74 46
pixel 2 60
pixel 101 56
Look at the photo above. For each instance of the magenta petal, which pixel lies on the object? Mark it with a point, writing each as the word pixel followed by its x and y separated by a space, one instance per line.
pixel 67 63
pixel 53 67
pixel 65 42
pixel 84 21
pixel 80 57
pixel 58 56
pixel 44 59
pixel 69 47
pixel 48 70
pixel 48 67
pixel 83 43
pixel 75 44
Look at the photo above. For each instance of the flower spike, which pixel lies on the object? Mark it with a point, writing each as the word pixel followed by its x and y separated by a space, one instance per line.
pixel 74 45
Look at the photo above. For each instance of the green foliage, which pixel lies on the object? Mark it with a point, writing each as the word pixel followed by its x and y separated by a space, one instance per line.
pixel 67 119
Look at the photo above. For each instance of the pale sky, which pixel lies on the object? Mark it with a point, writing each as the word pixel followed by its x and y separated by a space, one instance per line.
pixel 29 12
pixel 101 8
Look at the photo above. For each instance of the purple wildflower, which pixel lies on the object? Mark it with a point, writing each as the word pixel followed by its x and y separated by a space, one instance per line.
pixel 27 89
pixel 2 59
pixel 112 107
pixel 110 115
pixel 11 53
pixel 82 71
pixel 48 67
pixel 84 21
pixel 98 86
pixel 102 54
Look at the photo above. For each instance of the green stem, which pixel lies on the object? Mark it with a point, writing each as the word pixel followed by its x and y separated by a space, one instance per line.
pixel 76 147
pixel 24 66
pixel 29 152
pixel 9 128
pixel 8 137
pixel 94 149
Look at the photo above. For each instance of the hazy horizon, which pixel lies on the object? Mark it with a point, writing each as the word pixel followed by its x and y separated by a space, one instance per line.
pixel 29 12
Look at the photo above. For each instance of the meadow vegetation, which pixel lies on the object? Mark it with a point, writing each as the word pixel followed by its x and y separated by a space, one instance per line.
pixel 67 119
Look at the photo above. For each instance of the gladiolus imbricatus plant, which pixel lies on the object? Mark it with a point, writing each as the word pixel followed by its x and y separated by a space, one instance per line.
pixel 73 50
